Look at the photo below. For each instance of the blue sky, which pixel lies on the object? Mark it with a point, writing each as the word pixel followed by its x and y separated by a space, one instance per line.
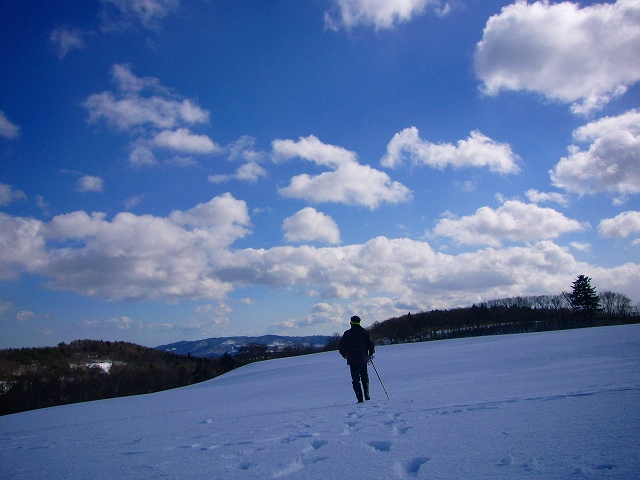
pixel 182 169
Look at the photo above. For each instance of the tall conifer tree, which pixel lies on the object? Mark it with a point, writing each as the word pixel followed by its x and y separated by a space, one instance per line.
pixel 584 298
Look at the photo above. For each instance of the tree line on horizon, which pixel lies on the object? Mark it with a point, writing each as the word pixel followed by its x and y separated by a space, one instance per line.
pixel 580 308
pixel 33 378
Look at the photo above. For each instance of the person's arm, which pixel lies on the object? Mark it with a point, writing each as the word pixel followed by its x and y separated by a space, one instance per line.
pixel 342 347
pixel 370 345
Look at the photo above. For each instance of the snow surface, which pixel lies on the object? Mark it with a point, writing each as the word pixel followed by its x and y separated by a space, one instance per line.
pixel 546 405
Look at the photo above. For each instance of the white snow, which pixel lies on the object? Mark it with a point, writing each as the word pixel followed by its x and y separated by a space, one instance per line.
pixel 548 405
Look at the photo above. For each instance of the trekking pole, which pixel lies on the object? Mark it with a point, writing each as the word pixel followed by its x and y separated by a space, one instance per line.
pixel 376 370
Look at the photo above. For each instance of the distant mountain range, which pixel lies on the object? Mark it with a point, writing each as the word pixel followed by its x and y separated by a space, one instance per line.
pixel 218 346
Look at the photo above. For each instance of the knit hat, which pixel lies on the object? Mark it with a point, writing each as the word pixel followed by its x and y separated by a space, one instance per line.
pixel 355 320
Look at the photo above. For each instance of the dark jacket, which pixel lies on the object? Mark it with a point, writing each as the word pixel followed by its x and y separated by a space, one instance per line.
pixel 356 345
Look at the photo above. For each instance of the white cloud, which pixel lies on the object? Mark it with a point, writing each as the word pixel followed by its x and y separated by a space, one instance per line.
pixel 217 223
pixel 312 149
pixel 7 128
pixel 142 156
pixel 535 196
pixel 187 256
pixel 380 14
pixel 42 205
pixel 584 56
pixel 132 110
pixel 612 162
pixel 620 226
pixel 514 221
pixel 89 183
pixel 133 201
pixel 581 246
pixel 476 151
pixel 309 225
pixel 248 172
pixel 130 257
pixel 413 274
pixel 152 114
pixel 129 108
pixel 243 150
pixel 23 315
pixel 8 194
pixel 21 245
pixel 348 183
pixel 128 82
pixel 66 39
pixel 321 314
pixel 184 141
pixel 123 13
pixel 218 314
pixel 122 323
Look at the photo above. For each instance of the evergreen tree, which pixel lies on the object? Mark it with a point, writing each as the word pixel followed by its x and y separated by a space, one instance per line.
pixel 584 298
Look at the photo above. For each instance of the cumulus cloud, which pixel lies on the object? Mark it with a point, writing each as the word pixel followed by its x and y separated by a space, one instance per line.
pixel 133 201
pixel 584 56
pixel 153 115
pixel 129 108
pixel 218 314
pixel 476 151
pixel 243 150
pixel 620 226
pixel 413 274
pixel 535 196
pixel 187 256
pixel 65 39
pixel 349 182
pixel 24 315
pixel 142 156
pixel 321 314
pixel 21 246
pixel 122 323
pixel 184 141
pixel 380 14
pixel 612 161
pixel 129 257
pixel 514 221
pixel 89 183
pixel 117 14
pixel 8 194
pixel 248 172
pixel 309 225
pixel 7 128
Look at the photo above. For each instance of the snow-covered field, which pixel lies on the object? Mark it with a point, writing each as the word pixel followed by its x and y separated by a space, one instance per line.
pixel 549 405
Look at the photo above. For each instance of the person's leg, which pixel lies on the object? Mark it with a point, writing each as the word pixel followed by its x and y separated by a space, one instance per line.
pixel 355 380
pixel 364 375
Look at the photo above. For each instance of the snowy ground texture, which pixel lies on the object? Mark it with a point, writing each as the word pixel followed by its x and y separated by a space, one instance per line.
pixel 548 405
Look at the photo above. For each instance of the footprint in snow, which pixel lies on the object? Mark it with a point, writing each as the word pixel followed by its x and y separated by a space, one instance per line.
pixel 317 444
pixel 307 457
pixel 411 468
pixel 381 446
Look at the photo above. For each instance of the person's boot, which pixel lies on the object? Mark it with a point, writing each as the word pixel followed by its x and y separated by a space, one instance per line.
pixel 366 391
pixel 358 390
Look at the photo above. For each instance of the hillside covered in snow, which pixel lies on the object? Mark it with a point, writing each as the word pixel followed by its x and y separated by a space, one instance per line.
pixel 558 404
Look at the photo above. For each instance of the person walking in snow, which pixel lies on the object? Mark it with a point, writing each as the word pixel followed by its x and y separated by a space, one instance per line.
pixel 356 346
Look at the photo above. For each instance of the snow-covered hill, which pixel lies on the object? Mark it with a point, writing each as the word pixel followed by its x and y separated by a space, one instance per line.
pixel 548 405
